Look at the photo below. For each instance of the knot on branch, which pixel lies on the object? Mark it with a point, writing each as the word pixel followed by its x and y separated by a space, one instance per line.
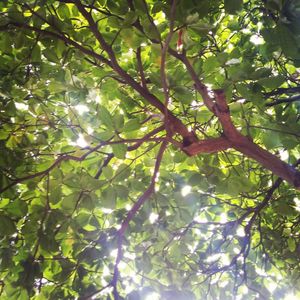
pixel 221 105
pixel 189 139
pixel 212 145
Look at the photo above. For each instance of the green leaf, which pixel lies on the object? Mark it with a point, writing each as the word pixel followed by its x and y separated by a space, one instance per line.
pixel 48 242
pixel 7 226
pixel 63 11
pixel 193 18
pixel 144 264
pixel 150 29
pixel 201 28
pixel 108 198
pixel 119 150
pixel 5 44
pixel 272 82
pixel 56 87
pixel 15 13
pixel 233 6
pixel 36 54
pixel 285 209
pixel 238 184
pixel 17 208
pixel 51 55
pixel 68 202
pixel 118 8
pixel 261 73
pixel 132 37
pixel 271 139
pixel 211 64
pixel 72 180
pixel 107 172
pixel 291 244
pixel 287 41
pixel 130 18
pixel 118 122
pixel 122 172
pixel 105 116
pixel 83 218
pixel 131 125
pixel 122 191
pixel 55 193
pixel 4 135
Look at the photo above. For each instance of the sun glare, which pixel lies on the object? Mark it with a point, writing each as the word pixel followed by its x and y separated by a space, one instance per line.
pixel 81 142
pixel 81 109
pixel 257 40
pixel 153 217
pixel 152 296
pixel 291 297
pixel 186 190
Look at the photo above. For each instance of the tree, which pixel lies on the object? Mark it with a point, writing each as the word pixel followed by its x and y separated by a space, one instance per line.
pixel 149 149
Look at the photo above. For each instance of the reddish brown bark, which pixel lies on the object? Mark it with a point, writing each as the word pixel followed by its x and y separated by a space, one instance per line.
pixel 207 146
pixel 231 137
pixel 268 160
pixel 234 139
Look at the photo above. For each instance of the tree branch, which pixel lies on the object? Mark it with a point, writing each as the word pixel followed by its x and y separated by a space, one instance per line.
pixel 285 100
pixel 280 91
pixel 234 139
pixel 140 67
pixel 250 149
pixel 200 87
pixel 179 127
pixel 143 198
pixel 62 158
pixel 208 146
pixel 60 37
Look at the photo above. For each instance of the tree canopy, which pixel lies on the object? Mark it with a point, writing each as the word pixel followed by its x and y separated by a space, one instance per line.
pixel 149 149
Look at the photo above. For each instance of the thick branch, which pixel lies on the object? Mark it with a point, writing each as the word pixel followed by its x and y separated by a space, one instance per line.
pixel 221 110
pixel 147 193
pixel 234 139
pixel 250 149
pixel 207 146
pixel 268 160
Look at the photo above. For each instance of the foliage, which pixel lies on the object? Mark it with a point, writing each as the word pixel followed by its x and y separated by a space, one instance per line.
pixel 149 149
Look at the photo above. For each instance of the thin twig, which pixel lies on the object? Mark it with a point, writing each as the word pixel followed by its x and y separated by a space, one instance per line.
pixel 280 91
pixel 66 157
pixel 285 100
pixel 59 36
pixel 105 163
pixel 140 67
